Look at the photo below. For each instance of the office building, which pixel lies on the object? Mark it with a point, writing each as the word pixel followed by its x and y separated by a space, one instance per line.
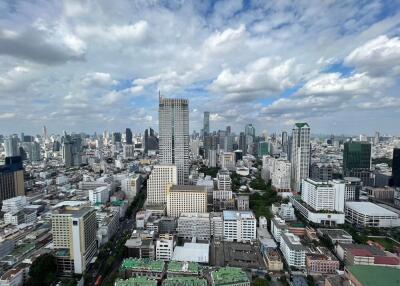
pixel 100 195
pixel 321 171
pixel 128 136
pixel 174 135
pixel 186 199
pixel 396 167
pixel 131 186
pixel 250 134
pixel 150 141
pixel 300 156
pixel 242 143
pixel 14 205
pixel 74 238
pixel 160 178
pixel 224 181
pixel 116 138
pixel 194 225
pixel 262 149
pixel 280 177
pixel 206 124
pixel 357 161
pixel 284 143
pixel 12 178
pixel 293 251
pixel 368 214
pixel 352 188
pixel 11 147
pixel 239 226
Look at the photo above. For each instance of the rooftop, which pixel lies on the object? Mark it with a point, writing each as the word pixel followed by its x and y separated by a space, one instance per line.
pixel 375 275
pixel 142 264
pixel 137 281
pixel 194 252
pixel 235 215
pixel 187 281
pixel 370 209
pixel 228 276
pixel 177 266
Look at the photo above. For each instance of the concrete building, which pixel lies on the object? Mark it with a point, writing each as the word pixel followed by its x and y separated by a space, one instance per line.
pixel 74 238
pixel 131 186
pixel 224 181
pixel 174 135
pixel 165 247
pixel 227 161
pixel 320 195
pixel 280 176
pixel 239 226
pixel 293 251
pixel 194 225
pixel 217 225
pixel 368 214
pixel 286 212
pixel 182 199
pixel 140 245
pixel 99 195
pixel 160 178
pixel 229 276
pixel 352 189
pixel 14 205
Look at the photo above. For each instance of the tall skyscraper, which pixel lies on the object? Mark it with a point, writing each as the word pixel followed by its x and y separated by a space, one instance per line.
pixel 116 137
pixel 300 157
pixel 12 178
pixel 357 161
pixel 150 140
pixel 285 142
pixel 11 146
pixel 128 136
pixel 250 134
pixel 71 150
pixel 396 167
pixel 206 123
pixel 45 132
pixel 174 135
pixel 242 142
pixel 74 237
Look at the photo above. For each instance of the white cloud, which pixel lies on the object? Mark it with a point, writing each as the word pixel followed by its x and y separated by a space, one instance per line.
pixel 7 115
pixel 378 56
pixel 98 79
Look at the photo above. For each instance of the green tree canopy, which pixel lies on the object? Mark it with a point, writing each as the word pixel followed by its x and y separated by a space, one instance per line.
pixel 43 271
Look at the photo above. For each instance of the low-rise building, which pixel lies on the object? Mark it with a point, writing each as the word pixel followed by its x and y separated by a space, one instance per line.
pixel 165 247
pixel 239 226
pixel 322 263
pixel 135 267
pixel 274 261
pixel 229 276
pixel 336 235
pixel 368 214
pixel 293 251
pixel 194 225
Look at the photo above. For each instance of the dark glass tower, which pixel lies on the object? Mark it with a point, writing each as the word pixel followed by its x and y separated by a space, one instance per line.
pixel 128 136
pixel 396 167
pixel 357 160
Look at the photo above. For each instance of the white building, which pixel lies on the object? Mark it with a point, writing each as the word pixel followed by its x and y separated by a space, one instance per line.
pixel 286 212
pixel 160 178
pixel 353 186
pixel 224 181
pixel 227 161
pixel 165 247
pixel 268 165
pixel 278 226
pixel 321 195
pixel 99 195
pixel 13 277
pixel 300 158
pixel 182 199
pixel 194 225
pixel 368 214
pixel 131 186
pixel 212 158
pixel 108 224
pixel 280 179
pixel 293 251
pixel 174 135
pixel 239 226
pixel 14 205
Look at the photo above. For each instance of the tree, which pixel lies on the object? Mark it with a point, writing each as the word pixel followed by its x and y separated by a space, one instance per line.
pixel 43 271
pixel 260 282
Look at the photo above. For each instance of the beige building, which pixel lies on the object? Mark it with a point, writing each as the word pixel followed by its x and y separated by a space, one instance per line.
pixel 160 178
pixel 74 238
pixel 11 179
pixel 182 199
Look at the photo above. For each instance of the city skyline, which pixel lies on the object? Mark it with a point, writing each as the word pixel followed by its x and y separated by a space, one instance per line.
pixel 81 69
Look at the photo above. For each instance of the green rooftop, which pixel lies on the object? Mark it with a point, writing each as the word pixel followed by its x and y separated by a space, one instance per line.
pixel 22 249
pixel 228 276
pixel 375 275
pixel 142 264
pixel 177 266
pixel 137 281
pixel 301 124
pixel 184 281
pixel 118 203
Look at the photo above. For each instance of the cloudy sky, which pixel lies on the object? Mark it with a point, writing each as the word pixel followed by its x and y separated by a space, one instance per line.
pixel 96 65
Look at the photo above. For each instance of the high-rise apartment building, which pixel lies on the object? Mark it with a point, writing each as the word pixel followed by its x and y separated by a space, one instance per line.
pixel 160 178
pixel 324 196
pixel 74 238
pixel 174 135
pixel 186 199
pixel 357 161
pixel 300 157
pixel 396 167
pixel 12 178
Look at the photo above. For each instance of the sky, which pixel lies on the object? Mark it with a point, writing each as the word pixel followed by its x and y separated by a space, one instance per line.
pixel 87 66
